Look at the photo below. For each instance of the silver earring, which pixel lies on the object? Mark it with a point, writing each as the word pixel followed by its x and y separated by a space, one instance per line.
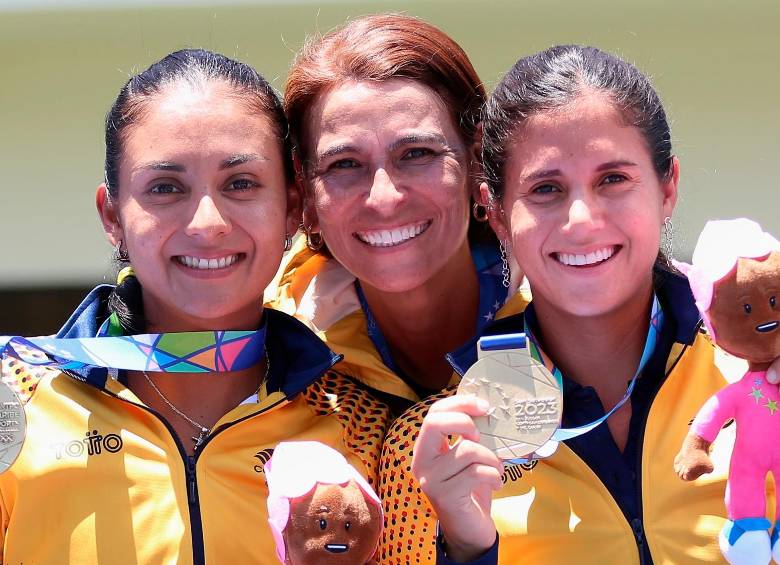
pixel 668 243
pixel 504 265
pixel 120 253
pixel 287 242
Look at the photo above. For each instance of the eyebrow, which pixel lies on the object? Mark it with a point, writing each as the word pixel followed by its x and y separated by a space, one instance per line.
pixel 335 150
pixel 240 159
pixel 163 166
pixel 418 138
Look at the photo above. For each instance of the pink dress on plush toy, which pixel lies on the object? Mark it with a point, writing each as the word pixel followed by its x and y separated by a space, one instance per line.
pixel 735 278
pixel 754 404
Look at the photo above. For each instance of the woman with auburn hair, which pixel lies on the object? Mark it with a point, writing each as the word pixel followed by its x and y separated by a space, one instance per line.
pixel 398 266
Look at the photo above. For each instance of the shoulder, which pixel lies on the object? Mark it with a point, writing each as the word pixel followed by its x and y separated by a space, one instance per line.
pixel 363 418
pixel 22 377
pixel 314 288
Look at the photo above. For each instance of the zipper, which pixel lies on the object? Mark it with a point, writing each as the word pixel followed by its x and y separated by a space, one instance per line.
pixel 190 467
pixel 637 524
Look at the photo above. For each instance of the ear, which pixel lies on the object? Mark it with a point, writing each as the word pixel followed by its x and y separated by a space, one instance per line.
pixel 109 215
pixel 294 210
pixel 669 188
pixel 496 216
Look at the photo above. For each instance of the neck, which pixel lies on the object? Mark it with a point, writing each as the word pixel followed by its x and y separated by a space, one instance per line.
pixel 203 397
pixel 599 351
pixel 423 324
pixel 160 320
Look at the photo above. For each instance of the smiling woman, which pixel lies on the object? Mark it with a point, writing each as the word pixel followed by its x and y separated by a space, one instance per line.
pixel 401 266
pixel 581 177
pixel 199 202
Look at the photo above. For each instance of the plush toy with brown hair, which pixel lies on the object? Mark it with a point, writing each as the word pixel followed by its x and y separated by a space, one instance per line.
pixel 735 278
pixel 321 510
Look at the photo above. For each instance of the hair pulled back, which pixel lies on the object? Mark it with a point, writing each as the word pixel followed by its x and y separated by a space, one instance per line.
pixel 382 47
pixel 196 67
pixel 553 79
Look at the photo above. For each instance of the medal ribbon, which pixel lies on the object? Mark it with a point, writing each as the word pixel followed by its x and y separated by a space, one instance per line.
pixel 654 330
pixel 184 352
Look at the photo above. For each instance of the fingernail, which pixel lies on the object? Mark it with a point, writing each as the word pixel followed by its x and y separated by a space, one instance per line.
pixel 483 404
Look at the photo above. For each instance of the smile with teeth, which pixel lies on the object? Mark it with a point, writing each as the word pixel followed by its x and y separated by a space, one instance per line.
pixel 395 236
pixel 207 264
pixel 586 259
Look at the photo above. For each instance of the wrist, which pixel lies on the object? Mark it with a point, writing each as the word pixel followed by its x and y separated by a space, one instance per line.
pixel 459 551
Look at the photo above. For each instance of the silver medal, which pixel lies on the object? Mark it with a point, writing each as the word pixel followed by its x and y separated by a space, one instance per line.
pixel 13 426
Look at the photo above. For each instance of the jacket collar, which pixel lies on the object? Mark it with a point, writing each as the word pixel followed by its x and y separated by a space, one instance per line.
pixel 673 291
pixel 297 356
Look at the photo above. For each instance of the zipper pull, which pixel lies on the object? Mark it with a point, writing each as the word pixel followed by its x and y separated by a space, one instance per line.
pixel 192 483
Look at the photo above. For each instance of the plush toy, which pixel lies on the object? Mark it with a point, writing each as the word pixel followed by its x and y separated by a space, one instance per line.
pixel 735 279
pixel 321 510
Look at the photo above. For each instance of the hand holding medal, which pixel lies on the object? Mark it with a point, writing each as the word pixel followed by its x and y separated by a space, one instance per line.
pixel 526 403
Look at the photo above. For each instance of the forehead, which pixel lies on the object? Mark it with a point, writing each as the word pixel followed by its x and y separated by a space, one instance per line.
pixel 588 127
pixel 361 107
pixel 199 119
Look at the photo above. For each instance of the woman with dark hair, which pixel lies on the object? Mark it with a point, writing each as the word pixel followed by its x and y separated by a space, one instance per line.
pixel 401 267
pixel 162 461
pixel 581 181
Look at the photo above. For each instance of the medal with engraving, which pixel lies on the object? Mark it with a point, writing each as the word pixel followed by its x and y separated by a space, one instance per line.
pixel 13 426
pixel 526 403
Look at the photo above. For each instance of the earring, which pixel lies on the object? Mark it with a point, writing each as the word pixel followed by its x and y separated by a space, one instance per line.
pixel 479 212
pixel 668 243
pixel 287 242
pixel 314 240
pixel 121 254
pixel 504 265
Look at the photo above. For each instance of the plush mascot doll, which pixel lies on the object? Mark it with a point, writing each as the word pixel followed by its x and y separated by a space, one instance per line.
pixel 321 510
pixel 735 279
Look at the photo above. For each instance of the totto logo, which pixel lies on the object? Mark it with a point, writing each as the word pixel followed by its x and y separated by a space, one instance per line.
pixel 94 443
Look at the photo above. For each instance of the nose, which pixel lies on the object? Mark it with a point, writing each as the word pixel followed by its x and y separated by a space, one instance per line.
pixel 584 215
pixel 208 221
pixel 384 196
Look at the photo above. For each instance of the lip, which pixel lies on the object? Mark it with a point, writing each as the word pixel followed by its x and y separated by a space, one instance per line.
pixel 767 327
pixel 583 259
pixel 337 547
pixel 219 265
pixel 392 236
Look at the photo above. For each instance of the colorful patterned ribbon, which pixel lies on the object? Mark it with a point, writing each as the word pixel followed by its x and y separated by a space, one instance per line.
pixel 185 352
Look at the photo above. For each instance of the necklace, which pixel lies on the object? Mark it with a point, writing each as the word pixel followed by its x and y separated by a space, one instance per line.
pixel 203 431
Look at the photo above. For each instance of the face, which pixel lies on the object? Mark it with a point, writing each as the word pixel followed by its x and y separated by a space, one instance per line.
pixel 745 310
pixel 202 208
pixel 583 208
pixel 332 525
pixel 387 181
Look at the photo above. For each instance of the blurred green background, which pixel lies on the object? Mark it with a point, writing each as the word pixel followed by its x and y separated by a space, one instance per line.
pixel 713 62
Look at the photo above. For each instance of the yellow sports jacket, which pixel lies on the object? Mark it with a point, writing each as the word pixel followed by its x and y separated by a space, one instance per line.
pixel 557 511
pixel 321 293
pixel 102 479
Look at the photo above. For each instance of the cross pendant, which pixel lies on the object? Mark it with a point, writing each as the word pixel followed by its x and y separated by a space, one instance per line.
pixel 198 439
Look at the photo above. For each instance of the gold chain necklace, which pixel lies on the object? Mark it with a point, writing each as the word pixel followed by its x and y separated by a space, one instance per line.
pixel 203 431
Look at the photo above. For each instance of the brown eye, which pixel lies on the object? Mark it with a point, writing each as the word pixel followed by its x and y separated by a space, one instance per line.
pixel 748 308
pixel 772 301
pixel 323 524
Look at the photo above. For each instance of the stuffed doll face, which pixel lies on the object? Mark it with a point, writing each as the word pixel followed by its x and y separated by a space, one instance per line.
pixel 745 310
pixel 332 525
